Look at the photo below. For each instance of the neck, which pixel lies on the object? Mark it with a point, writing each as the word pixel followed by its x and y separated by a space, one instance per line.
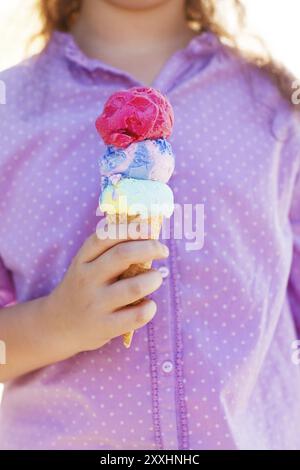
pixel 138 41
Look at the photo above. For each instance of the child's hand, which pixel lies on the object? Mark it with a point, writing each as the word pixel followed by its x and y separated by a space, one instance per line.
pixel 90 306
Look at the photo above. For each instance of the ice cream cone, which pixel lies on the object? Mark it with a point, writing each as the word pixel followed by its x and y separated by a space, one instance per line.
pixel 154 224
pixel 136 166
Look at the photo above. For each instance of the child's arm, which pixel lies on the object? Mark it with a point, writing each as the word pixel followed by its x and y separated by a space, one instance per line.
pixel 86 310
pixel 30 337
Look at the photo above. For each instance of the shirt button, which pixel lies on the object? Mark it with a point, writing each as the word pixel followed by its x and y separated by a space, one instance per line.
pixel 164 271
pixel 167 367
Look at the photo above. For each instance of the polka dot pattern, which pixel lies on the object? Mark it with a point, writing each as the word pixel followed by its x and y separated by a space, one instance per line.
pixel 213 369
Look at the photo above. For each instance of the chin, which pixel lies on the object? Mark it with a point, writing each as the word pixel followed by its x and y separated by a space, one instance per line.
pixel 137 4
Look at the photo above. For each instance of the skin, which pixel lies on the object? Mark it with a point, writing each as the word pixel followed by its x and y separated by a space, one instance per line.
pixel 90 306
pixel 132 35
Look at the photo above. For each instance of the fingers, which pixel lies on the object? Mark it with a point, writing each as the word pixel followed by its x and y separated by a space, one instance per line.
pixel 103 240
pixel 126 291
pixel 129 318
pixel 119 257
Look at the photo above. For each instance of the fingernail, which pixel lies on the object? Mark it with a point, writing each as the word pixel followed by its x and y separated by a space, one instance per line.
pixel 166 251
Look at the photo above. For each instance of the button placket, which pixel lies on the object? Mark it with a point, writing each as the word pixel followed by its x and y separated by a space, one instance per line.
pixel 166 377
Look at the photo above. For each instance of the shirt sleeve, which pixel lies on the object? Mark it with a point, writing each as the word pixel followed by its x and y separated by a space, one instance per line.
pixel 7 291
pixel 294 280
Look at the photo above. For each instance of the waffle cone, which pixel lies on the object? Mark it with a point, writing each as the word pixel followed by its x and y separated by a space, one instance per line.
pixel 154 224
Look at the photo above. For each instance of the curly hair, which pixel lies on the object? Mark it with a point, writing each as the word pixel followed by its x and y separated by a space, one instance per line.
pixel 201 15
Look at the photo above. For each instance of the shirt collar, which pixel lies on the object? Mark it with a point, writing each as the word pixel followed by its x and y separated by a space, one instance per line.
pixel 202 44
pixel 196 55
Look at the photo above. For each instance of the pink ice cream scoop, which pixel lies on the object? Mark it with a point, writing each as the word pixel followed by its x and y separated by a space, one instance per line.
pixel 134 115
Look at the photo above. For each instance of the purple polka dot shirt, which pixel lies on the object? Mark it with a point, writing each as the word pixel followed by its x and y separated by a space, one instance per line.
pixel 216 367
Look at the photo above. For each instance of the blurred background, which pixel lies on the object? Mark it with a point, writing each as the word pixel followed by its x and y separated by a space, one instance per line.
pixel 275 21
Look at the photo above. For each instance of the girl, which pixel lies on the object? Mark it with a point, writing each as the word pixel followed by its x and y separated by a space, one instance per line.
pixel 213 368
